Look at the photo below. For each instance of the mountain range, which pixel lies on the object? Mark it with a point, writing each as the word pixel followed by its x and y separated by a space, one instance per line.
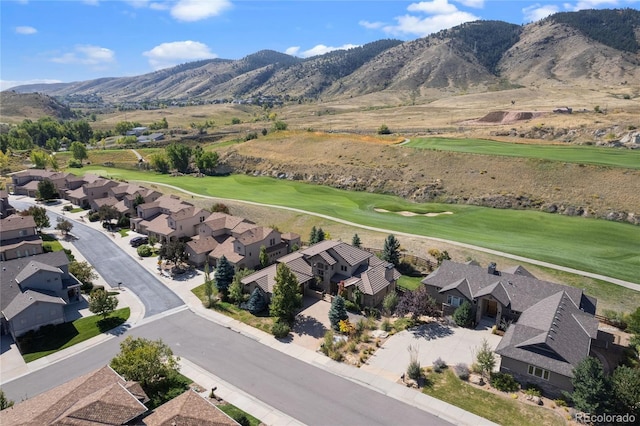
pixel 589 48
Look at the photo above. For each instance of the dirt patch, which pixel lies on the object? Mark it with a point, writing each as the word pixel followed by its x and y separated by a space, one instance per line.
pixel 509 117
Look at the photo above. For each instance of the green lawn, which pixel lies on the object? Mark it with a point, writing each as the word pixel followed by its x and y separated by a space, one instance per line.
pixel 599 246
pixel 499 409
pixel 263 323
pixel 410 283
pixel 626 158
pixel 236 414
pixel 50 243
pixel 76 210
pixel 53 338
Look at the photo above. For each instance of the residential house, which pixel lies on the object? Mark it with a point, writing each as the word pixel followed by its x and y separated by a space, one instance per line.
pixel 18 237
pixel 216 229
pixel 189 408
pixel 168 218
pixel 86 195
pixel 549 326
pixel 136 131
pixel 34 292
pixel 26 181
pixel 330 266
pixel 153 137
pixel 6 209
pixel 549 340
pixel 101 397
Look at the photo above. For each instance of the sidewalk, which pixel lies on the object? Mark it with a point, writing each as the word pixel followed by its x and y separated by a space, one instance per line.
pixel 183 287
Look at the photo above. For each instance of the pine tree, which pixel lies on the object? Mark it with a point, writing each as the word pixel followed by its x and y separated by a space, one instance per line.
pixel 286 297
pixel 337 312
pixel 591 388
pixel 313 236
pixel 391 250
pixel 355 241
pixel 320 235
pixel 223 276
pixel 485 359
pixel 257 302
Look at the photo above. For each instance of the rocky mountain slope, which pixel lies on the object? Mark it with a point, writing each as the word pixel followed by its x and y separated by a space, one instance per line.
pixel 595 48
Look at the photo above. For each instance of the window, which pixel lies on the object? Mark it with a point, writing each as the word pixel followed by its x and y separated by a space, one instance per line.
pixel 343 268
pixel 23 232
pixel 454 300
pixel 539 372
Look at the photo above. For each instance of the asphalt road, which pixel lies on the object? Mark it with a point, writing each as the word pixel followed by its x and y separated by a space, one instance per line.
pixel 115 266
pixel 302 391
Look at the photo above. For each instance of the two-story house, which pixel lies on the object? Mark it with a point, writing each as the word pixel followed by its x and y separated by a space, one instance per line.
pixel 6 209
pixel 34 291
pixel 168 218
pixel 19 238
pixel 329 266
pixel 86 195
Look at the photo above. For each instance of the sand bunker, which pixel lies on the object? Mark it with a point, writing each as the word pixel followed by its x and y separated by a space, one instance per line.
pixel 409 214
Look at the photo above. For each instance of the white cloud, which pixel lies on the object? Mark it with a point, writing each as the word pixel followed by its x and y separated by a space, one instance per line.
pixel 537 12
pixel 94 56
pixel 593 4
pixel 371 25
pixel 26 30
pixel 8 84
pixel 293 50
pixel 169 54
pixel 422 27
pixel 441 14
pixel 477 4
pixel 321 49
pixel 433 7
pixel 195 10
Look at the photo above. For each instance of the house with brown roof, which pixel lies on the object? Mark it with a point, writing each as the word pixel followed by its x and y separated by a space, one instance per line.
pixel 549 326
pixel 26 181
pixel 153 217
pixel 328 265
pixel 101 397
pixel 34 291
pixel 124 196
pixel 19 238
pixel 189 408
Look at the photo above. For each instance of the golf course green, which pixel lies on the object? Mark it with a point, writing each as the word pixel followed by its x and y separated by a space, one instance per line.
pixel 593 245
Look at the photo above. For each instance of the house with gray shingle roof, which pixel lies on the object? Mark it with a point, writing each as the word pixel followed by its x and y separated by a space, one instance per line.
pixel 329 266
pixel 551 326
pixel 35 291
pixel 19 237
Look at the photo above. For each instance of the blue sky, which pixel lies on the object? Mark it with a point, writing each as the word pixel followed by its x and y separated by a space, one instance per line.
pixel 74 40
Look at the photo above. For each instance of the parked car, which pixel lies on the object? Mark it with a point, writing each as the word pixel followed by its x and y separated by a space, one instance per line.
pixel 138 241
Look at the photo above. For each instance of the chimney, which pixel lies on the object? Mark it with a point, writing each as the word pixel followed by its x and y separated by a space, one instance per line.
pixel 492 269
pixel 388 273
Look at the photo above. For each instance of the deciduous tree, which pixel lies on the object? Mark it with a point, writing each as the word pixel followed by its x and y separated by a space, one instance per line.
pixel 417 303
pixel 286 297
pixel 264 257
pixel 207 162
pixel 47 190
pixel 463 315
pixel 101 303
pixel 79 151
pixel 145 361
pixel 39 158
pixel 179 156
pixel 625 384
pixel 39 215
pixel 173 251
pixel 4 402
pixel 64 225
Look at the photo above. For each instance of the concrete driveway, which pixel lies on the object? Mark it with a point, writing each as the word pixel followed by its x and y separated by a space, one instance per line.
pixel 313 322
pixel 434 340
